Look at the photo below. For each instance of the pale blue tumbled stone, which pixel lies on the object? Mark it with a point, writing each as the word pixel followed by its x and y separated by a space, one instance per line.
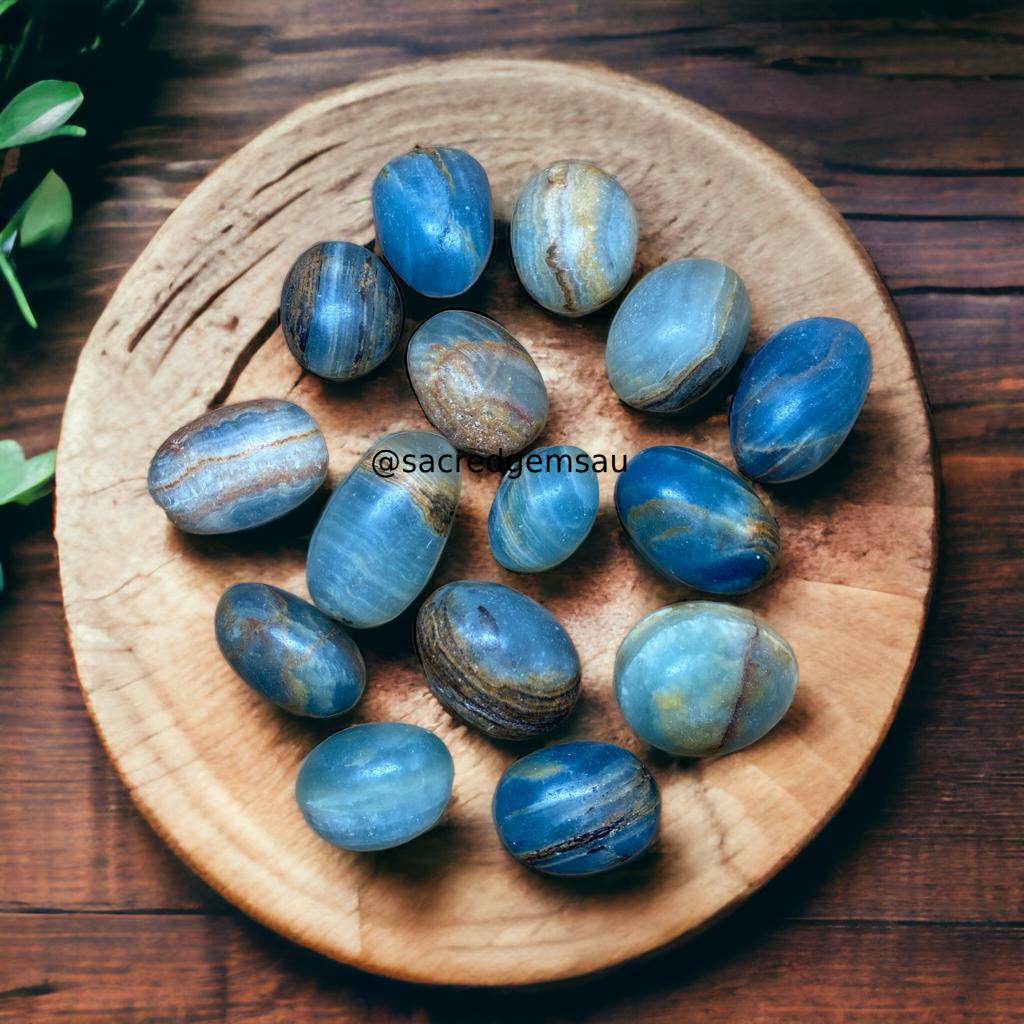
pixel 677 334
pixel 381 534
pixel 238 466
pixel 375 786
pixel 574 235
pixel 699 678
pixel 798 398
pixel 540 517
pixel 435 226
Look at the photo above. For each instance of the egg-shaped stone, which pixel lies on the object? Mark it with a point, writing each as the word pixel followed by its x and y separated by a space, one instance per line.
pixel 798 398
pixel 540 516
pixel 341 310
pixel 696 521
pixel 435 226
pixel 476 384
pixel 574 235
pixel 238 466
pixel 577 808
pixel 677 334
pixel 497 659
pixel 289 651
pixel 375 786
pixel 382 532
pixel 700 678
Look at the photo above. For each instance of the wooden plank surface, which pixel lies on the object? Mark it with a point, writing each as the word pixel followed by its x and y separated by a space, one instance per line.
pixel 909 906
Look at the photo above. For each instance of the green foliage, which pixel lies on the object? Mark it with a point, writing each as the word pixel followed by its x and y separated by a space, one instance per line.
pixel 23 481
pixel 40 112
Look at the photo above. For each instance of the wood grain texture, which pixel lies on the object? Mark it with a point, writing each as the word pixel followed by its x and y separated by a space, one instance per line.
pixel 193 325
pixel 909 906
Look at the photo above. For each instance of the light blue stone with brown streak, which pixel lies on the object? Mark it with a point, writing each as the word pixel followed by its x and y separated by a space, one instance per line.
pixel 677 334
pixel 574 236
pixel 239 466
pixel 288 651
pixel 696 521
pixel 476 384
pixel 381 535
pixel 539 518
pixel 435 225
pixel 341 310
pixel 798 398
pixel 699 678
pixel 375 786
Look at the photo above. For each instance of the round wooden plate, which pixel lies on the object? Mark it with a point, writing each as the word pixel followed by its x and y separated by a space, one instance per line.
pixel 193 324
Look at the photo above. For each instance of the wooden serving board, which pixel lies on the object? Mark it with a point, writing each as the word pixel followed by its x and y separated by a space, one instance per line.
pixel 193 324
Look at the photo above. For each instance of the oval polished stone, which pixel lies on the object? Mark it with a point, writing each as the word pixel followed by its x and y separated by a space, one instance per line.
pixel 577 808
pixel 288 651
pixel 798 398
pixel 696 521
pixel 476 384
pixel 341 311
pixel 496 659
pixel 677 334
pixel 381 535
pixel 700 678
pixel 435 226
pixel 574 235
pixel 239 466
pixel 540 517
pixel 375 786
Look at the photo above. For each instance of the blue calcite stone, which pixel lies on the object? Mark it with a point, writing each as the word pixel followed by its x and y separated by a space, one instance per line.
pixel 798 398
pixel 677 334
pixel 375 786
pixel 432 211
pixel 696 521
pixel 577 808
pixel 496 659
pixel 539 518
pixel 288 651
pixel 476 384
pixel 574 234
pixel 239 466
pixel 699 678
pixel 381 535
pixel 341 310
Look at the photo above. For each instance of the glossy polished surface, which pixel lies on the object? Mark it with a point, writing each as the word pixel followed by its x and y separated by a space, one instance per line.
pixel 497 659
pixel 432 212
pixel 288 651
pixel 577 808
pixel 696 521
pixel 539 518
pixel 476 384
pixel 677 334
pixel 798 398
pixel 375 786
pixel 380 537
pixel 699 678
pixel 574 235
pixel 341 311
pixel 239 466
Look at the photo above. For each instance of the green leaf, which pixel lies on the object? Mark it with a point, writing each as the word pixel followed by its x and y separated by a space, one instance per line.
pixel 6 5
pixel 7 271
pixel 24 480
pixel 1 579
pixel 44 218
pixel 39 112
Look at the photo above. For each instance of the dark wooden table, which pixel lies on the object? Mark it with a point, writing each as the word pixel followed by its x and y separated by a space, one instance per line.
pixel 909 906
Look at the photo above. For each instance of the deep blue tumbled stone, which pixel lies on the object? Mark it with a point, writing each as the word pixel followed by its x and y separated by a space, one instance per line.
pixel 540 517
pixel 381 535
pixel 341 310
pixel 375 786
pixel 288 651
pixel 798 398
pixel 435 226
pixel 239 466
pixel 577 808
pixel 696 521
